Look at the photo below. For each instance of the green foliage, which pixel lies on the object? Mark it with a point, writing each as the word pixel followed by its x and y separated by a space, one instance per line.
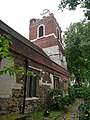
pixel 5 40
pixel 72 94
pixel 83 93
pixel 61 103
pixel 85 115
pixel 72 4
pixel 35 116
pixel 51 95
pixel 4 46
pixel 58 101
pixel 40 115
pixel 29 73
pixel 11 116
pixel 77 49
pixel 55 92
pixel 4 53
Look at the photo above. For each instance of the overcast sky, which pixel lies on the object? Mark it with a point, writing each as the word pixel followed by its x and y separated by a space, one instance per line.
pixel 17 13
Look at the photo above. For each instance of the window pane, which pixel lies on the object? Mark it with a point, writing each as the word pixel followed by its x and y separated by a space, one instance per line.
pixel 30 87
pixel 34 87
pixel 57 34
pixel 40 31
pixel 32 84
pixel 56 82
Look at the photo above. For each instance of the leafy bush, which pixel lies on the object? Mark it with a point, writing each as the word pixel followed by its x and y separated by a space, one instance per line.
pixel 52 98
pixel 58 101
pixel 83 93
pixel 55 92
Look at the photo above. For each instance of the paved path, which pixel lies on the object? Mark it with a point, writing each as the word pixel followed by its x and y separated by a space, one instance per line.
pixel 72 113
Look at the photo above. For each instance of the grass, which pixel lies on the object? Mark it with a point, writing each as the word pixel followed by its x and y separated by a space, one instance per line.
pixel 12 116
pixel 40 115
pixel 35 116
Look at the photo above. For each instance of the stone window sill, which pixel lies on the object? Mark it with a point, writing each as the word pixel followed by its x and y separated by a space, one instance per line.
pixel 33 98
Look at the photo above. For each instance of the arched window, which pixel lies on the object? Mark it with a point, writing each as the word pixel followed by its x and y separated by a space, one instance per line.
pixel 41 31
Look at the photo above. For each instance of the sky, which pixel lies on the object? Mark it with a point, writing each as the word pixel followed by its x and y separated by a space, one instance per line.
pixel 17 13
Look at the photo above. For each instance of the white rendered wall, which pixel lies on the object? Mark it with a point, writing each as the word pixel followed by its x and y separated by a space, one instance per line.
pixel 56 56
pixel 7 82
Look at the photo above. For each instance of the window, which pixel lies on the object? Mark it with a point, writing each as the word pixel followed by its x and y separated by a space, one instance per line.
pixel 41 31
pixel 57 34
pixel 32 84
pixel 56 82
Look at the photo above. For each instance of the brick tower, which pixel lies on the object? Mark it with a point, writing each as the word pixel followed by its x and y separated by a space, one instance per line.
pixel 46 34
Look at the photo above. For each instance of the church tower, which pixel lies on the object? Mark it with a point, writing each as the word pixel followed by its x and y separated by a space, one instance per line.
pixel 46 34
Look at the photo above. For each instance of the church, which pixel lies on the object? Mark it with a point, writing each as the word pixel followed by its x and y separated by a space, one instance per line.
pixel 43 55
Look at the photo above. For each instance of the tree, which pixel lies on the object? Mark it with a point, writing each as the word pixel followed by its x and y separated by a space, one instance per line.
pixel 77 50
pixel 72 4
pixel 83 93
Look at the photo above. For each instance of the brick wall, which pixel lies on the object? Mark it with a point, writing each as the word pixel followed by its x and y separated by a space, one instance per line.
pixel 33 32
pixel 49 23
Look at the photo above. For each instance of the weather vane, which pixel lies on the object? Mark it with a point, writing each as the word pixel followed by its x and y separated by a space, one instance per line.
pixel 45 12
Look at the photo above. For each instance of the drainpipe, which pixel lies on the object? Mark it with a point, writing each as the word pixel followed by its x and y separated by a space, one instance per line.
pixel 26 64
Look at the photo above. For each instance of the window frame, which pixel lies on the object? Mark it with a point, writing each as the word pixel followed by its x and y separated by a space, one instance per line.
pixel 38 31
pixel 32 84
pixel 56 82
pixel 58 34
